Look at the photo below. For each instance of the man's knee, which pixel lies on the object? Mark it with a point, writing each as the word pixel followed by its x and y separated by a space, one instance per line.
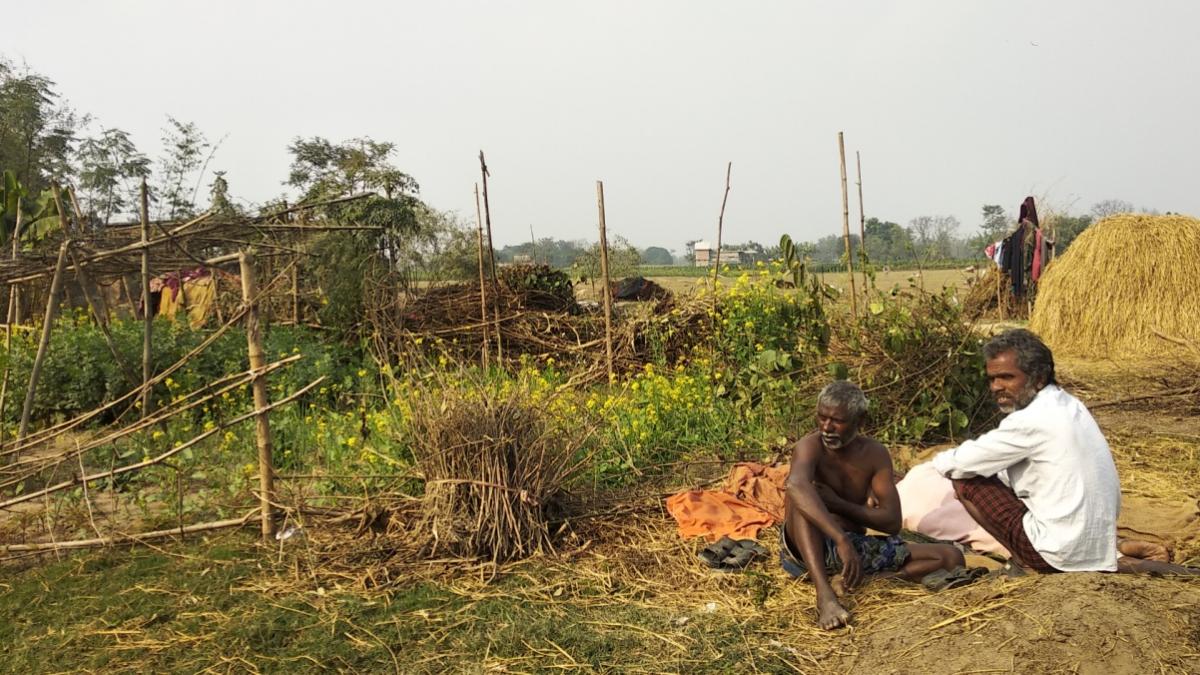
pixel 964 488
pixel 952 557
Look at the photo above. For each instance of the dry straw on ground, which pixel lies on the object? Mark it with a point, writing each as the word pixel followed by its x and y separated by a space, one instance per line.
pixel 1124 279
pixel 492 463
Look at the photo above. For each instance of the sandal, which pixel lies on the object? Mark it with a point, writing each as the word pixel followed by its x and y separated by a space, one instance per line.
pixel 715 553
pixel 944 580
pixel 727 554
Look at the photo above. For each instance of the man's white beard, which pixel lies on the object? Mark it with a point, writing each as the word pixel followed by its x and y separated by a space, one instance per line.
pixel 1024 398
pixel 834 442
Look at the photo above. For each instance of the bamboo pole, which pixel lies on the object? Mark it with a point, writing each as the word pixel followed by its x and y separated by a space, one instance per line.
pixel 720 228
pixel 46 435
pixel 75 208
pixel 75 480
pixel 216 286
pixel 483 320
pixel 127 538
pixel 262 426
pixel 608 343
pixel 295 295
pixel 862 221
pixel 44 343
pixel 13 298
pixel 169 236
pixel 147 315
pixel 487 219
pixel 28 468
pixel 846 227
pixel 63 220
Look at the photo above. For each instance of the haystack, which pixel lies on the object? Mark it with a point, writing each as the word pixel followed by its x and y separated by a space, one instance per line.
pixel 1122 285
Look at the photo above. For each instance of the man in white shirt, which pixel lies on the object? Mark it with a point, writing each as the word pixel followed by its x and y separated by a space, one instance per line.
pixel 1043 483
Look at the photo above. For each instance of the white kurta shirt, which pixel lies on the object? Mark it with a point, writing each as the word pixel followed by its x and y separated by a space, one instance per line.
pixel 1058 463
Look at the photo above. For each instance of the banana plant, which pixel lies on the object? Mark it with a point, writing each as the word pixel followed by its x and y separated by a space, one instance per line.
pixel 10 201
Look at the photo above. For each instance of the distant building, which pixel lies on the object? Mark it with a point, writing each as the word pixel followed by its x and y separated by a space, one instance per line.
pixel 705 253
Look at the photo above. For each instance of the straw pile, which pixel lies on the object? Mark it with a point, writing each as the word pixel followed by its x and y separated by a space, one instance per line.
pixel 990 297
pixel 492 462
pixel 1122 281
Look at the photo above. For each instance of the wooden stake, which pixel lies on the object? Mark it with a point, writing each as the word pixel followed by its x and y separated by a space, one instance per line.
pixel 295 295
pixel 487 219
pixel 608 345
pixel 43 345
pixel 147 314
pixel 483 320
pixel 262 426
pixel 846 227
pixel 862 221
pixel 720 227
pixel 216 284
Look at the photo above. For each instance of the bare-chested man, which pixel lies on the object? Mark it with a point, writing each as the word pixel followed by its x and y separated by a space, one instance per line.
pixel 840 485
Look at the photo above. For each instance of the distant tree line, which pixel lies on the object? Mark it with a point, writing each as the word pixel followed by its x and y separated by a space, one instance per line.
pixel 43 140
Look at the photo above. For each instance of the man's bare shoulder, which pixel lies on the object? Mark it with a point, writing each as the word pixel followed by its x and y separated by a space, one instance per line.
pixel 807 449
pixel 874 452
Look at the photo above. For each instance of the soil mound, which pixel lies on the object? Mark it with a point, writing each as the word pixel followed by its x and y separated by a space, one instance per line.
pixel 1068 623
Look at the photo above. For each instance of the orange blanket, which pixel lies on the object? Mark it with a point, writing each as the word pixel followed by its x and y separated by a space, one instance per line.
pixel 752 499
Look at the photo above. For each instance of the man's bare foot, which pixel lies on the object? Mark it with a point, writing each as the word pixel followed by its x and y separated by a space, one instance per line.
pixel 1127 565
pixel 831 614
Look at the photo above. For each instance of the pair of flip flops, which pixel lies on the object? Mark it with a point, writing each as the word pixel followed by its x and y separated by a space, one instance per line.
pixel 944 580
pixel 727 554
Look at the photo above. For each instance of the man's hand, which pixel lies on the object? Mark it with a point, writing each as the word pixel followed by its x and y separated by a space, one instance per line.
pixel 831 499
pixel 851 565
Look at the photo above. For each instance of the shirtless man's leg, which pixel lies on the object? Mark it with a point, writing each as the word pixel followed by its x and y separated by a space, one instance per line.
pixel 925 559
pixel 810 543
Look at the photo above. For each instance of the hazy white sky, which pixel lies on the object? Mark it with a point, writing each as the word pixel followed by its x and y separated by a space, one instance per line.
pixel 953 104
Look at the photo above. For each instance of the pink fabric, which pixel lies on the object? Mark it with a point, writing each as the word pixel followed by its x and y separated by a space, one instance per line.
pixel 929 506
pixel 1037 254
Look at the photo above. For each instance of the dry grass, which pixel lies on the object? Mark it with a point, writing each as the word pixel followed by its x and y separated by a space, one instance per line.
pixel 629 582
pixel 1124 279
pixel 492 462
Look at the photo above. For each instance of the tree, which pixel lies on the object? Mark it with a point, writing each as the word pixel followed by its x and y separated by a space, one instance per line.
pixel 557 253
pixel 1110 207
pixel 689 251
pixel 1067 228
pixel 110 167
pixel 996 223
pixel 933 237
pixel 657 255
pixel 321 169
pixel 887 242
pixel 623 261
pixel 37 131
pixel 184 145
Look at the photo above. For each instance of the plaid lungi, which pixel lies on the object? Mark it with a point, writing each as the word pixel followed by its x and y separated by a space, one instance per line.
pixel 999 505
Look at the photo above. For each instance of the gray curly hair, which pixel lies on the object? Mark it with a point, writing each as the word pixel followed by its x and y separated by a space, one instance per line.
pixel 846 395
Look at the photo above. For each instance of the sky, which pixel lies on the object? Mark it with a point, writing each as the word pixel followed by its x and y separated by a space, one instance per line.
pixel 952 104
